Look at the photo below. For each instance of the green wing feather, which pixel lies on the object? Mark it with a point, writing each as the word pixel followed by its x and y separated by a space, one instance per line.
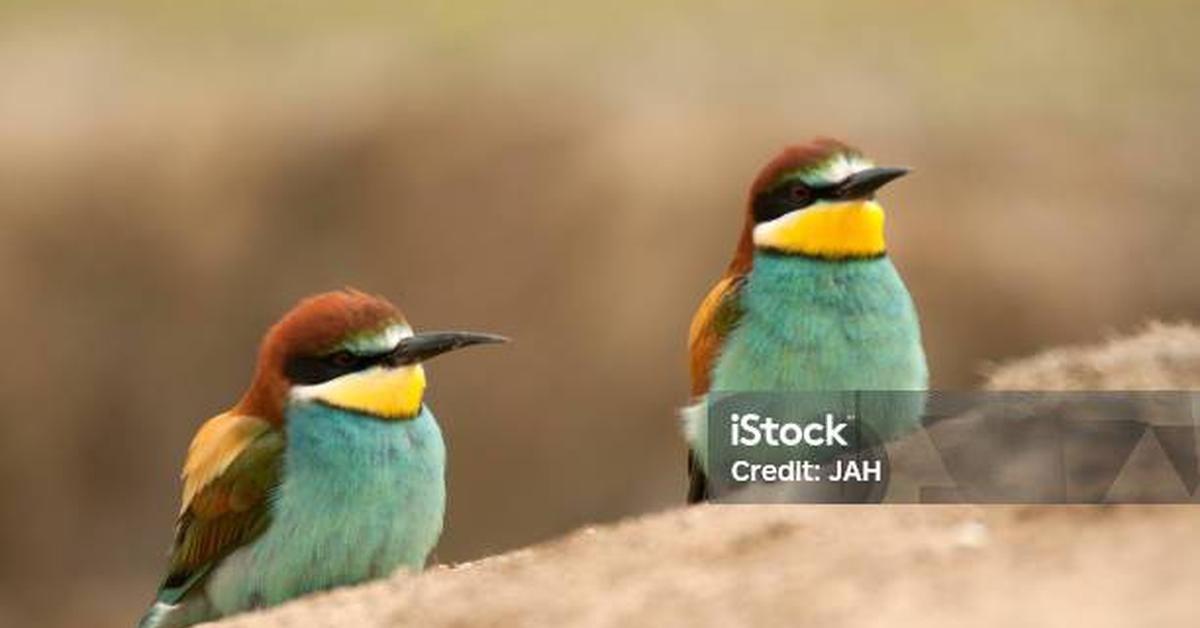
pixel 229 512
pixel 718 314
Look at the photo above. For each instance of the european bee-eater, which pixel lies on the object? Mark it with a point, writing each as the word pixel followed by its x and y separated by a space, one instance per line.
pixel 328 471
pixel 811 301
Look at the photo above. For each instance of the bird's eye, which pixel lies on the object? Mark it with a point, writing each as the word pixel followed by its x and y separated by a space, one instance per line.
pixel 342 359
pixel 799 193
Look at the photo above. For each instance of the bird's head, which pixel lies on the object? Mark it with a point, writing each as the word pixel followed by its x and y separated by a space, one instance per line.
pixel 347 350
pixel 818 200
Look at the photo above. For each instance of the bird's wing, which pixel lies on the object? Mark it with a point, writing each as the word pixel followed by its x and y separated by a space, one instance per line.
pixel 717 316
pixel 232 466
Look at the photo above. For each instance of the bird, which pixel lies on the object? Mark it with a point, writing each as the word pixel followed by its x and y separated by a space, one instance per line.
pixel 330 469
pixel 810 301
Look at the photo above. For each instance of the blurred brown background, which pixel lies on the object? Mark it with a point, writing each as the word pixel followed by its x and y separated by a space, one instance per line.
pixel 173 179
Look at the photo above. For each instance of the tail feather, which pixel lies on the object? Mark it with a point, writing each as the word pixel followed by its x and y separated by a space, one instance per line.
pixel 697 481
pixel 157 615
pixel 186 613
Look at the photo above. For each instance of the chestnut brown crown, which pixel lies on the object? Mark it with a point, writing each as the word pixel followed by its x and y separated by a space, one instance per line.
pixel 316 325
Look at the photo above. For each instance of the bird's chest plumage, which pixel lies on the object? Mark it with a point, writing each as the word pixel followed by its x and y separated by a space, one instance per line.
pixel 818 325
pixel 359 498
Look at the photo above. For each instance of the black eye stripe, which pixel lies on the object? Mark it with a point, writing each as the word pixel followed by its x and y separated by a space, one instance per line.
pixel 307 370
pixel 788 197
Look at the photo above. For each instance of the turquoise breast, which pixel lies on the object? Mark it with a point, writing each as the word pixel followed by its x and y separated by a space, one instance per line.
pixel 810 324
pixel 360 497
pixel 816 325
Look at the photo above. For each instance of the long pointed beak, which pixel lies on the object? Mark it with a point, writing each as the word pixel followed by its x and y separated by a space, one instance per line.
pixel 426 346
pixel 864 183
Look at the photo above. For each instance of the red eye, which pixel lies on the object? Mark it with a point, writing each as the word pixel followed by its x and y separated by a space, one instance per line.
pixel 342 358
pixel 799 193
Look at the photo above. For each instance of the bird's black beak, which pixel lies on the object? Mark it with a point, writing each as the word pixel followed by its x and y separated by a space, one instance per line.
pixel 423 347
pixel 863 184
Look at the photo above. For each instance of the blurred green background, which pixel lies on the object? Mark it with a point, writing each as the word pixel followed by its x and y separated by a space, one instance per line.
pixel 174 176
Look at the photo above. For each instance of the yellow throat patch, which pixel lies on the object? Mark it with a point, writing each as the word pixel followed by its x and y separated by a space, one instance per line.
pixel 831 230
pixel 385 393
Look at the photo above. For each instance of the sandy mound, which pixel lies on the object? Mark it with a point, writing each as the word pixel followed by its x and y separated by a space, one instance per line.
pixel 844 566
pixel 1161 357
pixel 836 565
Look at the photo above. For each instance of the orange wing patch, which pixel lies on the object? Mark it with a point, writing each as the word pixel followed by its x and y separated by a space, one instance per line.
pixel 216 445
pixel 717 315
